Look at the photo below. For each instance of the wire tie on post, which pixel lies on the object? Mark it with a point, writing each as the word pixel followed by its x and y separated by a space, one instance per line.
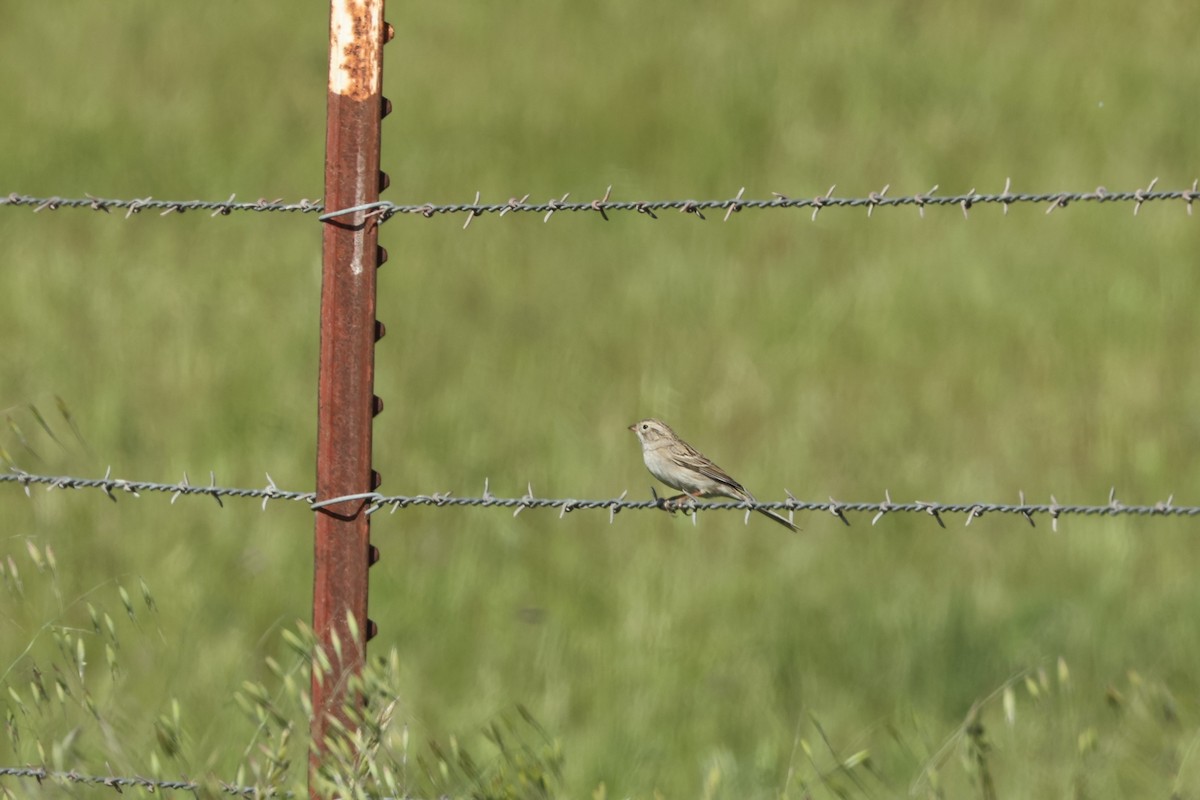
pixel 341 212
pixel 734 205
pixel 317 505
pixel 873 199
pixel 598 205
pixel 382 212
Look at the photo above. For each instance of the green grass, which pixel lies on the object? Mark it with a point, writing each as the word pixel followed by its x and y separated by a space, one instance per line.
pixel 938 358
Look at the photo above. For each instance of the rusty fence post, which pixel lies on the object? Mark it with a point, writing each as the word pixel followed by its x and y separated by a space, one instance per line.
pixel 346 399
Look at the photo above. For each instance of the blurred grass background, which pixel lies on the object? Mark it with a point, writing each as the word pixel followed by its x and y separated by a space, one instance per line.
pixel 940 358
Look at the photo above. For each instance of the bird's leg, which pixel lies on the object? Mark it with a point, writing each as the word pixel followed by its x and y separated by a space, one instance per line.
pixel 689 499
pixel 673 502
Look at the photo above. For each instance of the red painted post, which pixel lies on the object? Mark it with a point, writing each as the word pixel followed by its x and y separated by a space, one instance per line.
pixel 346 400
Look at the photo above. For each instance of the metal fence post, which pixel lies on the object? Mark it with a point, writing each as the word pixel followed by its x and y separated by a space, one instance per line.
pixel 346 399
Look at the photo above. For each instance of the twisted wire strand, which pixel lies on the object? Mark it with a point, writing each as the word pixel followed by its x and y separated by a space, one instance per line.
pixel 1053 200
pixel 133 206
pixel 385 210
pixel 376 502
pixel 117 782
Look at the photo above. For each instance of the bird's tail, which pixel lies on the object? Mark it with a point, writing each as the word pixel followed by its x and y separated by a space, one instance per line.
pixel 782 521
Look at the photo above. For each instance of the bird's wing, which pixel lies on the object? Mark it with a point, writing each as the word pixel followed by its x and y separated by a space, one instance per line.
pixel 697 461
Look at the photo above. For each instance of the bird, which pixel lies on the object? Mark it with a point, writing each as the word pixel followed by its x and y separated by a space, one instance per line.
pixel 681 466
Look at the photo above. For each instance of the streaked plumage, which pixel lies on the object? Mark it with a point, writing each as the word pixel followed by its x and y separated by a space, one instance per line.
pixel 681 466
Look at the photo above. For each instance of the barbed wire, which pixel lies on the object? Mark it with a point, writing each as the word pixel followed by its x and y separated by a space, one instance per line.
pixel 385 210
pixel 137 205
pixel 602 205
pixel 376 502
pixel 117 783
pixel 111 486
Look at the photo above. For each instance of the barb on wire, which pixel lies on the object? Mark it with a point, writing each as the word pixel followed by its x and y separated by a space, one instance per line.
pixel 385 210
pixel 41 774
pixel 376 502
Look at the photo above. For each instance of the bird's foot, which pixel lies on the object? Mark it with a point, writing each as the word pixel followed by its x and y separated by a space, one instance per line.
pixel 683 502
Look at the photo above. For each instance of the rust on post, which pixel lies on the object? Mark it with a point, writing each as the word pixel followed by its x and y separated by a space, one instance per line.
pixel 346 399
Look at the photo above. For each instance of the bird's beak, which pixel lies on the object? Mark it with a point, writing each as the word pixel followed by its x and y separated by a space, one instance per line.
pixel 632 427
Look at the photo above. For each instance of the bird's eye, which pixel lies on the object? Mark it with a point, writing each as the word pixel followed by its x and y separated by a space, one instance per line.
pixel 645 427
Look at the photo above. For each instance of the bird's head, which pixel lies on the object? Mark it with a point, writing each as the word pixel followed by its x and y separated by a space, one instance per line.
pixel 652 431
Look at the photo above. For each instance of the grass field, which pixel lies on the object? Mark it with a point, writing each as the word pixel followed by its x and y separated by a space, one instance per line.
pixel 938 358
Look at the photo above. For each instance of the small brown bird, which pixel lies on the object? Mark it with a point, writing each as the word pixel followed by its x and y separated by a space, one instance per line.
pixel 680 466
